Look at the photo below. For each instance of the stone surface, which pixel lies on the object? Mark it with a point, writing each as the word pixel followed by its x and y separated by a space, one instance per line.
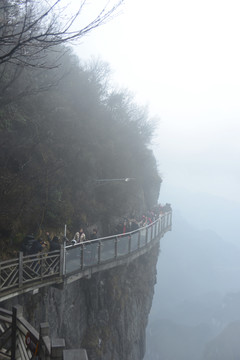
pixel 79 354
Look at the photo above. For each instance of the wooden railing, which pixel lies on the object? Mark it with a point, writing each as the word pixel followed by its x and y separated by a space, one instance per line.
pixel 20 341
pixel 27 272
pixel 27 269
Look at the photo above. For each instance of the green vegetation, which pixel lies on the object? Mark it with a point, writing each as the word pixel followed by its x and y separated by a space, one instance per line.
pixel 60 130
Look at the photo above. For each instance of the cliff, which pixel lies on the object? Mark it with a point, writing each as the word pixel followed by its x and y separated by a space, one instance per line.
pixel 54 147
pixel 106 314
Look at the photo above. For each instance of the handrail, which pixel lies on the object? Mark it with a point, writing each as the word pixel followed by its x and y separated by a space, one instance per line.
pixel 111 248
pixel 20 340
pixel 54 265
pixel 111 236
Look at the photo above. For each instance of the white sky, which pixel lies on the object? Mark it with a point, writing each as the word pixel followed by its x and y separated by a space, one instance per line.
pixel 182 58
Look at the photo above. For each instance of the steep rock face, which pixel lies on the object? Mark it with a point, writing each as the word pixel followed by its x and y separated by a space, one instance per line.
pixel 106 314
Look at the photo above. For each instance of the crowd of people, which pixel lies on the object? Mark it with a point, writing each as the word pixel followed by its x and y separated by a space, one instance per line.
pixel 133 223
pixel 44 244
pixel 31 246
pixel 126 225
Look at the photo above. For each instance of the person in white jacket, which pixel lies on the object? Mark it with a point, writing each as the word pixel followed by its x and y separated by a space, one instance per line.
pixel 79 237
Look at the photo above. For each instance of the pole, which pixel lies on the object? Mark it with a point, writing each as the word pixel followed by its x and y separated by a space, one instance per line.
pixel 14 333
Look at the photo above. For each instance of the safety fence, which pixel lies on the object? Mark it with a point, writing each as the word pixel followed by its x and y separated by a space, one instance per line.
pixel 19 340
pixel 109 249
pixel 27 269
pixel 45 267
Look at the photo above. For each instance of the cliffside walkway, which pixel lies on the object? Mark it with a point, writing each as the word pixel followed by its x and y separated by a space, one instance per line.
pixel 29 273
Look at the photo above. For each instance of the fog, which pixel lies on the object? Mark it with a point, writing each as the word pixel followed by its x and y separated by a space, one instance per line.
pixel 197 295
pixel 182 59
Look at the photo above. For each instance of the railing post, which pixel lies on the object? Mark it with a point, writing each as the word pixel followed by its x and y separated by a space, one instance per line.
pixel 99 252
pixel 14 333
pixel 57 347
pixel 116 247
pixel 82 256
pixel 44 341
pixel 62 255
pixel 146 239
pixel 41 264
pixel 139 238
pixel 20 269
pixel 16 311
pixel 129 243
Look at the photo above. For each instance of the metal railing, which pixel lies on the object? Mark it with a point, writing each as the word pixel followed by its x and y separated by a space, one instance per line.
pixel 111 248
pixel 43 267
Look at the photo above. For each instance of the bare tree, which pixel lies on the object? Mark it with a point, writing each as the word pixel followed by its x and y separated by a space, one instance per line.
pixel 30 27
pixel 32 35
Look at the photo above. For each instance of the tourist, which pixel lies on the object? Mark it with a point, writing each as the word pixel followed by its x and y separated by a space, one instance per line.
pixel 82 236
pixel 37 246
pixel 79 237
pixel 93 235
pixel 55 245
pixel 76 238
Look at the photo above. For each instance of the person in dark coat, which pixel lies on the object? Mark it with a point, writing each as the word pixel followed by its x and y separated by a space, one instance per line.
pixel 54 244
pixel 133 225
pixel 93 235
pixel 27 244
pixel 37 246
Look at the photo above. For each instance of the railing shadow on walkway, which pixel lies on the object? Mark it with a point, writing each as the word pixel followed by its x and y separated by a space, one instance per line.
pixel 27 273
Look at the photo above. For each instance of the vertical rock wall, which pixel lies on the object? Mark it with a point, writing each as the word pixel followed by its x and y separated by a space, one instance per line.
pixel 107 314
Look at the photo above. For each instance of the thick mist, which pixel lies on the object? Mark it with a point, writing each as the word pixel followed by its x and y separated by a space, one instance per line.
pixel 197 295
pixel 182 59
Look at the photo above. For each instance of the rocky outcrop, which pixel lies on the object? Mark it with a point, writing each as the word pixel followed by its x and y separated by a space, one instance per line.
pixel 106 314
